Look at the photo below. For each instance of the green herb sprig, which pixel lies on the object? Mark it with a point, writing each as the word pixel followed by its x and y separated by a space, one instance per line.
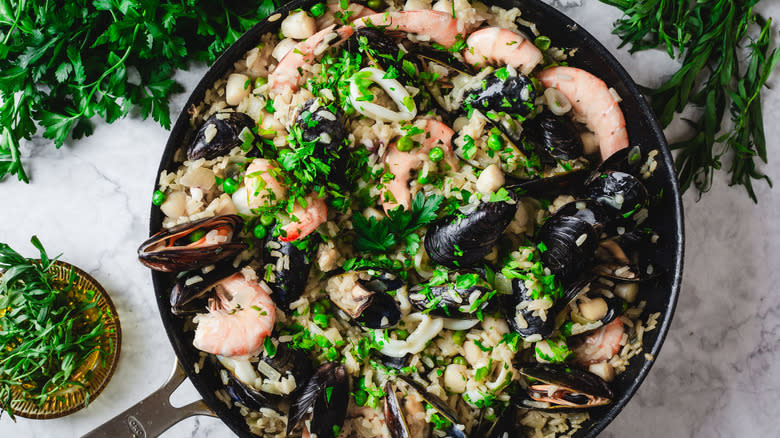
pixel 708 35
pixel 380 235
pixel 44 336
pixel 64 63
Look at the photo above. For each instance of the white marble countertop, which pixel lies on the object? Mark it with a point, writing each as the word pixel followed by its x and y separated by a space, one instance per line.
pixel 718 373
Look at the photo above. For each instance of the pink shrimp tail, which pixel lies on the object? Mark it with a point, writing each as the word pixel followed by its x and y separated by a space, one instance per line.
pixel 439 26
pixel 287 76
pixel 309 218
pixel 592 102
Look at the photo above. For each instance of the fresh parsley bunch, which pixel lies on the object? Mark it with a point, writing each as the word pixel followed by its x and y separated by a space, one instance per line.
pixel 62 63
pixel 709 36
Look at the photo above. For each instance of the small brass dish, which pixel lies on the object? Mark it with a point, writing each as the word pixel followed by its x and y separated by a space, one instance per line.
pixel 92 374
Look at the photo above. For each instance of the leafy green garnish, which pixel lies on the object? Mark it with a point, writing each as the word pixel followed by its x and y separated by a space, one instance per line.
pixel 380 235
pixel 64 63
pixel 46 335
pixel 709 36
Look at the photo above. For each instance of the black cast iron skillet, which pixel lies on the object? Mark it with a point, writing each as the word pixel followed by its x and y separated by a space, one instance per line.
pixel 643 130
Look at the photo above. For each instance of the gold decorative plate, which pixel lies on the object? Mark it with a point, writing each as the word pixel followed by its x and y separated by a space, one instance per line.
pixel 94 374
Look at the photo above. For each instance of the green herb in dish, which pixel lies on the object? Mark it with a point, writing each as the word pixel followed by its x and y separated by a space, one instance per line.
pixel 46 336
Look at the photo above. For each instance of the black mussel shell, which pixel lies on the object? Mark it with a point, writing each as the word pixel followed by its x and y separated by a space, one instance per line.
pixel 368 302
pixel 627 257
pixel 554 136
pixel 534 324
pixel 289 283
pixel 324 126
pixel 513 95
pixel 289 360
pixel 570 243
pixel 189 293
pixel 615 305
pixel 620 192
pixel 229 127
pixel 173 250
pixel 569 182
pixel 603 220
pixel 397 404
pixel 322 400
pixel 462 241
pixel 627 160
pixel 449 299
pixel 502 427
pixel 573 388
pixel 441 57
pixel 246 395
pixel 394 362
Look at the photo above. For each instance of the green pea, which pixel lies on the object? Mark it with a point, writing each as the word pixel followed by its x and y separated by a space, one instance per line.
pixel 317 308
pixel 196 235
pixel 375 4
pixel 360 397
pixel 460 360
pixel 458 337
pixel 402 334
pixel 405 144
pixel 320 319
pixel 424 179
pixel 260 231
pixel 436 154
pixel 495 142
pixel 230 186
pixel 267 219
pixel 158 198
pixel 317 10
pixel 260 81
pixel 542 42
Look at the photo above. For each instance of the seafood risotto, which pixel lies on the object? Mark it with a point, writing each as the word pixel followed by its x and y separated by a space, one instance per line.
pixel 409 220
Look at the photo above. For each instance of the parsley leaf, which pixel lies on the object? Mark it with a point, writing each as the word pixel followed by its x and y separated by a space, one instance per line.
pixel 380 235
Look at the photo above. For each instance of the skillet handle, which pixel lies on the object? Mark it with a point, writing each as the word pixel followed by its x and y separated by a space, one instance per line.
pixel 153 415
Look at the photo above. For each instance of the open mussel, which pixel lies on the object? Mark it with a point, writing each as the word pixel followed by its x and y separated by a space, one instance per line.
pixel 321 405
pixel 554 136
pixel 193 245
pixel 286 360
pixel 405 405
pixel 627 257
pixel 552 387
pixel 247 395
pixel 462 296
pixel 220 133
pixel 363 296
pixel 287 268
pixel 502 91
pixel 190 290
pixel 462 241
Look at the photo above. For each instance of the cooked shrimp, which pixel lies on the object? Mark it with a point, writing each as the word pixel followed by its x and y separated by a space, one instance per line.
pixel 440 27
pixel 263 184
pixel 495 45
pixel 593 103
pixel 306 219
pixel 287 74
pixel 239 318
pixel 602 344
pixel 400 164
